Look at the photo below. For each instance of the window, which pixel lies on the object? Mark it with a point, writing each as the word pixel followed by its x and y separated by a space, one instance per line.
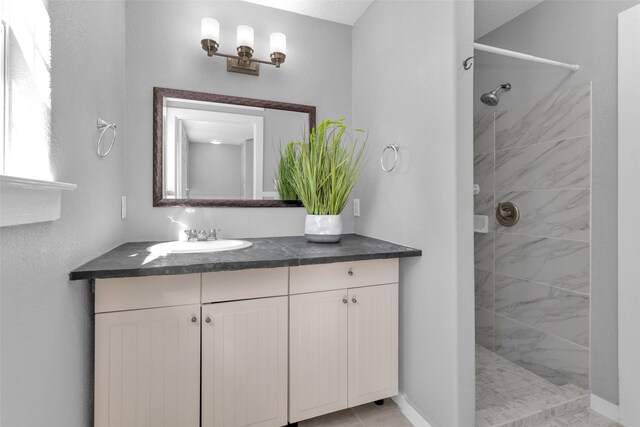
pixel 27 189
pixel 27 89
pixel 2 93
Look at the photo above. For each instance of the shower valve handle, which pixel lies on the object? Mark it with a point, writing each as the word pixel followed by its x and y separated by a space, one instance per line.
pixel 507 214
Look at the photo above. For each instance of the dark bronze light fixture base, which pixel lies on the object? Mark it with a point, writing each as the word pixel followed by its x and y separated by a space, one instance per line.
pixel 210 46
pixel 235 65
pixel 277 58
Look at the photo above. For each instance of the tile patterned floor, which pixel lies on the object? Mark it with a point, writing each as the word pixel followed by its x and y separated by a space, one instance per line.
pixel 510 396
pixel 586 418
pixel 506 396
pixel 369 415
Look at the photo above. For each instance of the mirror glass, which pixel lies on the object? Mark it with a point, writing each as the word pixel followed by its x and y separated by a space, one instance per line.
pixel 214 150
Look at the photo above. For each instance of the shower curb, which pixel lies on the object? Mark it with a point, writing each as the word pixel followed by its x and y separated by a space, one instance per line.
pixel 565 408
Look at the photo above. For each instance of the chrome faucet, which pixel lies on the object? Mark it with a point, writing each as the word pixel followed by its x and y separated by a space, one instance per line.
pixel 191 234
pixel 201 235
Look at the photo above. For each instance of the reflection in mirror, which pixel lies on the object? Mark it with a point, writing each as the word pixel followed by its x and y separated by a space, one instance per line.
pixel 213 150
pixel 209 154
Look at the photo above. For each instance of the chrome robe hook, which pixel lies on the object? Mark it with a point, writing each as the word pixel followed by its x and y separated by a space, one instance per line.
pixel 466 64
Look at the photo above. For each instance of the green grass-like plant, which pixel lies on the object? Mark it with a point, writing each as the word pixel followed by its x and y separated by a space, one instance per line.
pixel 327 168
pixel 284 179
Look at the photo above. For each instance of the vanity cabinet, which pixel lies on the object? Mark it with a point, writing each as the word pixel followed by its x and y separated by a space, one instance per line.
pixel 147 367
pixel 255 347
pixel 244 363
pixel 343 342
pixel 318 354
pixel 245 348
pixel 373 343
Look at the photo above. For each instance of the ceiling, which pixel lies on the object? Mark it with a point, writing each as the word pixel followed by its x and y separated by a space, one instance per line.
pixel 342 11
pixel 228 133
pixel 489 14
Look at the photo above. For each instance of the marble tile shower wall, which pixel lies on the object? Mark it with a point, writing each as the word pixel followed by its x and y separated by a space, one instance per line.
pixel 533 279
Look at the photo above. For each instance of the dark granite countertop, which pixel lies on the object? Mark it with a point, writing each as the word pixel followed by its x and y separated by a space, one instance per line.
pixel 133 260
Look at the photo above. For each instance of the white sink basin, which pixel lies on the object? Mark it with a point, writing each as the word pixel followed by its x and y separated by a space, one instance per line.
pixel 198 247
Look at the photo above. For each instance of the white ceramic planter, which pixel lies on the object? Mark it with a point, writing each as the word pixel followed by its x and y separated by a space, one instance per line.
pixel 323 228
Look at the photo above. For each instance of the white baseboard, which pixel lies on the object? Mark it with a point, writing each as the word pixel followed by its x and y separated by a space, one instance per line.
pixel 410 412
pixel 603 407
pixel 598 404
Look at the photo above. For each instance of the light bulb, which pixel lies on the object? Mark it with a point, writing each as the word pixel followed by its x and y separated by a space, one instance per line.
pixel 210 29
pixel 245 36
pixel 278 43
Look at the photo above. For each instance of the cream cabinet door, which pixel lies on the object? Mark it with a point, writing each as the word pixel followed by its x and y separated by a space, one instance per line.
pixel 147 367
pixel 373 343
pixel 318 354
pixel 244 363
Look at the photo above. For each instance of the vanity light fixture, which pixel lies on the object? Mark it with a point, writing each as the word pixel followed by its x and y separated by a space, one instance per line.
pixel 243 62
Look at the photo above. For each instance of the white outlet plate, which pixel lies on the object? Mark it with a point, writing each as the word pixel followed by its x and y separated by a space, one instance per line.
pixel 356 207
pixel 123 207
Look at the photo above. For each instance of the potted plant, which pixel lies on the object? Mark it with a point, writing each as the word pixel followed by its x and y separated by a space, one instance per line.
pixel 284 180
pixel 324 172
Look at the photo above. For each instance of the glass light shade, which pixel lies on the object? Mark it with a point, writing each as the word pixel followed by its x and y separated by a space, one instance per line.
pixel 245 36
pixel 210 29
pixel 278 43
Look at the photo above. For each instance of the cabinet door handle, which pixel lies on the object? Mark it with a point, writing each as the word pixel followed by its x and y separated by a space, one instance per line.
pixel 344 300
pixel 354 300
pixel 208 319
pixel 350 272
pixel 194 319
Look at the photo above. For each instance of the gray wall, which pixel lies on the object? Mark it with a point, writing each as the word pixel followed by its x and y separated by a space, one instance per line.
pixel 215 171
pixel 583 33
pixel 427 201
pixel 47 332
pixel 163 36
pixel 247 150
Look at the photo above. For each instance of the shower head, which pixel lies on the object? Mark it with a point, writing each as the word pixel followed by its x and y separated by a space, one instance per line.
pixel 492 98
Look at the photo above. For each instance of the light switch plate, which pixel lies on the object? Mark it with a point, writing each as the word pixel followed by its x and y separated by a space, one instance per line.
pixel 356 207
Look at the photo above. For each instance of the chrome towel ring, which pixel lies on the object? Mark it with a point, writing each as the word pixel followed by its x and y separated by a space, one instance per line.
pixel 395 148
pixel 103 127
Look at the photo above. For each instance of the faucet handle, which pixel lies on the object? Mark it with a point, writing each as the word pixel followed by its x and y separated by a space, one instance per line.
pixel 213 234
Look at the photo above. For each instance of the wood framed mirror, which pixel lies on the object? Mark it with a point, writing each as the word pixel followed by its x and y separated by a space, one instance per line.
pixel 217 150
